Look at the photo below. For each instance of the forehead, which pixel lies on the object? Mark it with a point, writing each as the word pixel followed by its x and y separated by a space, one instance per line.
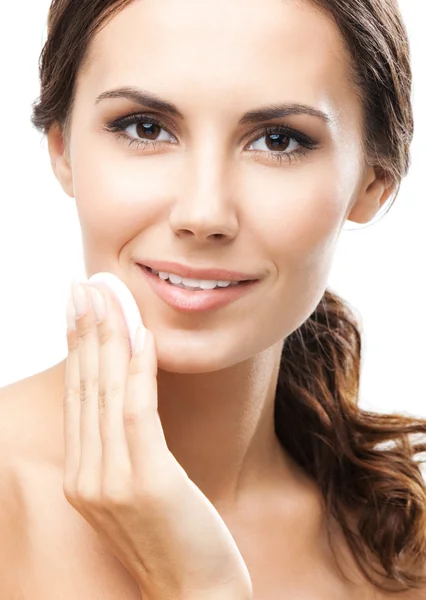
pixel 224 51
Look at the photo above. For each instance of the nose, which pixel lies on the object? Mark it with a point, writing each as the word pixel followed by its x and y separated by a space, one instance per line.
pixel 204 209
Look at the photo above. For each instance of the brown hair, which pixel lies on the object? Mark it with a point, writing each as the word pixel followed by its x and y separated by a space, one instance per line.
pixel 363 462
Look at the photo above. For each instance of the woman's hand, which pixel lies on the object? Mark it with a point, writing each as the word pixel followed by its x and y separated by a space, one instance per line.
pixel 122 478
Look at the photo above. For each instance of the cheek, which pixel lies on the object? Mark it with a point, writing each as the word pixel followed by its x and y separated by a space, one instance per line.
pixel 292 214
pixel 299 224
pixel 116 195
pixel 300 215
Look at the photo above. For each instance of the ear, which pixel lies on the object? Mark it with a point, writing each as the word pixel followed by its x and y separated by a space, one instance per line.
pixel 375 190
pixel 59 159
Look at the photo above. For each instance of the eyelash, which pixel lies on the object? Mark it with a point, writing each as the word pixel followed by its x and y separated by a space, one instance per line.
pixel 118 126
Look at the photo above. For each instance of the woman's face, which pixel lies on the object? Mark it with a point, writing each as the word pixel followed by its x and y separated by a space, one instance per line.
pixel 208 174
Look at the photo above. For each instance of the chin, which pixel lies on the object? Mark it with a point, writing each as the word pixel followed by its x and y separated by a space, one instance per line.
pixel 190 362
pixel 183 355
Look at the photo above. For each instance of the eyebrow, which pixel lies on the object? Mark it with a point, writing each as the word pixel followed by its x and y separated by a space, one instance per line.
pixel 265 113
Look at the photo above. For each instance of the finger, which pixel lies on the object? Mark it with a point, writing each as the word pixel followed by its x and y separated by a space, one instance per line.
pixel 114 357
pixel 89 475
pixel 144 433
pixel 71 405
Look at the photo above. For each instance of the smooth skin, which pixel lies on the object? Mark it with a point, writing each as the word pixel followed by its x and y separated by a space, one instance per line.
pixel 209 194
pixel 207 200
pixel 119 473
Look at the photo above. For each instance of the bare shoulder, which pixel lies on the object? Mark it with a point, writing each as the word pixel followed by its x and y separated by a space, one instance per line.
pixel 31 415
pixel 13 425
pixel 30 412
pixel 26 442
pixel 30 437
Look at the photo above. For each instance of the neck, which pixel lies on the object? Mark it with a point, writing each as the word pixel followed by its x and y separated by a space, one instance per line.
pixel 220 427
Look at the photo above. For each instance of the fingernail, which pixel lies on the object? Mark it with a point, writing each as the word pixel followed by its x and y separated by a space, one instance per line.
pixel 71 315
pixel 98 303
pixel 79 297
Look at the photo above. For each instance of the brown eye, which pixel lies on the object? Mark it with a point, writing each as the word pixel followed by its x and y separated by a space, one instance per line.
pixel 148 130
pixel 276 142
pixel 141 130
pixel 279 142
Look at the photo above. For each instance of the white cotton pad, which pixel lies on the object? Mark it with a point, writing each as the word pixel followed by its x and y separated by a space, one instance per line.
pixel 124 296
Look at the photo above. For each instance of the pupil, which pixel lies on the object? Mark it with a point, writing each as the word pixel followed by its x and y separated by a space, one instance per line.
pixel 143 129
pixel 276 145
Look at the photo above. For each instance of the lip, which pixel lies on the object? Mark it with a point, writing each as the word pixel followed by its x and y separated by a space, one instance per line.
pixel 191 273
pixel 195 301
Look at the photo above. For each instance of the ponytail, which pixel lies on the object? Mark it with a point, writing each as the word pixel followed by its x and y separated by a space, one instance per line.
pixel 319 423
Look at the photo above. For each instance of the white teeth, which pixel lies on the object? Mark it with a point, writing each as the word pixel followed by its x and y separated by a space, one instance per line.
pixel 185 282
pixel 203 284
pixel 175 278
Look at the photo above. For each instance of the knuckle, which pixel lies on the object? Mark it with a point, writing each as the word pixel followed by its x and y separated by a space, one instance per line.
pixel 88 387
pixel 71 395
pixel 87 493
pixel 85 326
pixel 105 333
pixel 72 339
pixel 114 496
pixel 108 394
pixel 132 417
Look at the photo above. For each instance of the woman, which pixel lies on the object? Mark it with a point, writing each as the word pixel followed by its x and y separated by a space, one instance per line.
pixel 221 142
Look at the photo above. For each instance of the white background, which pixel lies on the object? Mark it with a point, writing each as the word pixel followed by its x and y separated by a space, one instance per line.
pixel 379 270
